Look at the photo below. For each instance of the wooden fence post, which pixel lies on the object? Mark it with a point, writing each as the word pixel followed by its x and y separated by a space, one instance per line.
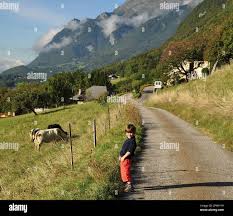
pixel 109 118
pixel 71 148
pixel 94 133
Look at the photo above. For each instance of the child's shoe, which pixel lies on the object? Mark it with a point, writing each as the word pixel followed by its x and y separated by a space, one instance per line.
pixel 129 188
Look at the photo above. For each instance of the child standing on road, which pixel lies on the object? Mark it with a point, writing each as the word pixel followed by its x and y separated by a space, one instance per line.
pixel 126 155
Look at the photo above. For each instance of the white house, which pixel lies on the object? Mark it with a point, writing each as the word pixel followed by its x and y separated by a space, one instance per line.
pixel 7 114
pixel 193 68
pixel 113 76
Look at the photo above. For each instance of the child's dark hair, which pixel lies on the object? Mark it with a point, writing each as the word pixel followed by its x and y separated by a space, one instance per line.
pixel 130 129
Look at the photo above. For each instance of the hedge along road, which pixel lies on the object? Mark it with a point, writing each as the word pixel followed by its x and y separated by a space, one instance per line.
pixel 178 162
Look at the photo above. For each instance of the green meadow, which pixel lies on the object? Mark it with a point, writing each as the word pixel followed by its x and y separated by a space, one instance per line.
pixel 30 174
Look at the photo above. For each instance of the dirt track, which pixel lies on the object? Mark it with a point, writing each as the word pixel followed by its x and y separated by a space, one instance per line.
pixel 200 170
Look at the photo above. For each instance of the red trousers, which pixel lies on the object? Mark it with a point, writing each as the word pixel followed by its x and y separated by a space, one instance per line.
pixel 125 167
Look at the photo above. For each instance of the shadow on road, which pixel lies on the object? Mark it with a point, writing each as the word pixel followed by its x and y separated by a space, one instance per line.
pixel 148 91
pixel 139 190
pixel 203 184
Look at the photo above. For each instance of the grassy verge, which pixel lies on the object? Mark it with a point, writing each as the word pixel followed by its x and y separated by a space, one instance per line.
pixel 206 104
pixel 28 174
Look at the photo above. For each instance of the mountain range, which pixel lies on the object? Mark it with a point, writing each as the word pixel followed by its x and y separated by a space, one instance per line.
pixel 132 28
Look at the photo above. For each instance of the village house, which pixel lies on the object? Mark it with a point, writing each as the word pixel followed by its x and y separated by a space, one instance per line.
pixel 113 76
pixel 78 98
pixel 194 69
pixel 7 114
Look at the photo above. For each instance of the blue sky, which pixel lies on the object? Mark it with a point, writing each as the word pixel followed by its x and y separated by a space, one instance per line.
pixel 21 30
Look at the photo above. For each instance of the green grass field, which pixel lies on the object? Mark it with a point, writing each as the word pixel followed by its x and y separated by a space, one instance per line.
pixel 206 104
pixel 114 82
pixel 29 174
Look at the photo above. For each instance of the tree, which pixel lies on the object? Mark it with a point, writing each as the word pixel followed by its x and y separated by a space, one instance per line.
pixel 27 97
pixel 5 105
pixel 100 77
pixel 61 87
pixel 177 52
pixel 213 50
pixel 228 42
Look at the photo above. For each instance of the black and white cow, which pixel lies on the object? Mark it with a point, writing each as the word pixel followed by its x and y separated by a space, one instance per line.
pixel 45 136
pixel 57 126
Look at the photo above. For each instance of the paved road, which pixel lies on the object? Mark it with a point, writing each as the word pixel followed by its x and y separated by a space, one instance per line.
pixel 199 170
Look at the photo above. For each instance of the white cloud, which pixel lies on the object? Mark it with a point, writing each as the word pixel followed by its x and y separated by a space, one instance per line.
pixel 112 40
pixel 111 24
pixel 7 63
pixel 45 39
pixel 140 19
pixel 72 25
pixel 65 41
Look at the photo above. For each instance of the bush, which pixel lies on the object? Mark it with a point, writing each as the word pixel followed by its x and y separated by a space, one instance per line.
pixel 136 85
pixel 137 94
